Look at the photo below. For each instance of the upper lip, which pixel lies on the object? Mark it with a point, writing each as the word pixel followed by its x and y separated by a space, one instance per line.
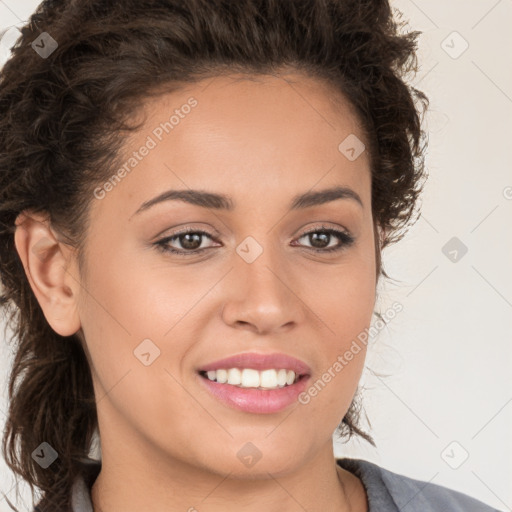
pixel 259 362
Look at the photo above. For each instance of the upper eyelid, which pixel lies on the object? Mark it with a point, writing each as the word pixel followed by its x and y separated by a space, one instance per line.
pixel 215 235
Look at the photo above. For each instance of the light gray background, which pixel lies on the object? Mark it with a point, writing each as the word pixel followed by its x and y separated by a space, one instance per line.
pixel 448 393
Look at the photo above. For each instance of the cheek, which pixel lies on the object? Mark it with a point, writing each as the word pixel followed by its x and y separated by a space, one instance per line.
pixel 125 319
pixel 342 297
pixel 344 301
pixel 129 301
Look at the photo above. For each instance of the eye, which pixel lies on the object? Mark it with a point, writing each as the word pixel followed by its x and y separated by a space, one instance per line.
pixel 321 237
pixel 191 240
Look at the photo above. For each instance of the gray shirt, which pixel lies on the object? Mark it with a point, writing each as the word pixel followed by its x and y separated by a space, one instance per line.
pixel 386 491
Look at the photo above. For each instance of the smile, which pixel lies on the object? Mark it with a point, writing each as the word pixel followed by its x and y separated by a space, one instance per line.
pixel 251 378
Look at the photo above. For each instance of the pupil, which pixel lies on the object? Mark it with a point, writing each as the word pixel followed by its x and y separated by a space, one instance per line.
pixel 315 236
pixel 193 240
pixel 191 245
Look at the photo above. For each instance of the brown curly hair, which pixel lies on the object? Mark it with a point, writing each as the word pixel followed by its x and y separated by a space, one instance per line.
pixel 63 120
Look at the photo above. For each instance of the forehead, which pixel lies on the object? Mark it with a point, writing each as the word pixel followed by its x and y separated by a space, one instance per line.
pixel 252 137
pixel 288 106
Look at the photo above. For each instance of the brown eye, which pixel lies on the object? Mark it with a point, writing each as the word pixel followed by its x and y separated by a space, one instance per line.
pixel 189 241
pixel 320 239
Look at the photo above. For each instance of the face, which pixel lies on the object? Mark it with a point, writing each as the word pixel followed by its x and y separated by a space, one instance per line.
pixel 283 284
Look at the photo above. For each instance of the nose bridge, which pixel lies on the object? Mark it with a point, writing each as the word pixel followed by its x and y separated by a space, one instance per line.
pixel 262 295
pixel 259 265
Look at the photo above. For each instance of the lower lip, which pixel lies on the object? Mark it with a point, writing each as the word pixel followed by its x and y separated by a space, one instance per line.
pixel 260 401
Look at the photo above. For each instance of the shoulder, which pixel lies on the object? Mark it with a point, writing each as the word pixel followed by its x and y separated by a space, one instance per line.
pixel 393 492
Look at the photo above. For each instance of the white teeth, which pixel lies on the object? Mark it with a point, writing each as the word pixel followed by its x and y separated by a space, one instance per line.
pixel 220 375
pixel 234 377
pixel 269 379
pixel 250 378
pixel 281 377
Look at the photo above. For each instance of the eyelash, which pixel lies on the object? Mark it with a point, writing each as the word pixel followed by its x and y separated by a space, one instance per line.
pixel 162 245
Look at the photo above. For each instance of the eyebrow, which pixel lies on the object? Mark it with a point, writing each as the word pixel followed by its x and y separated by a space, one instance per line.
pixel 223 202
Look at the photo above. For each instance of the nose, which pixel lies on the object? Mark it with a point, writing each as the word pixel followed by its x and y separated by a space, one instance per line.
pixel 262 295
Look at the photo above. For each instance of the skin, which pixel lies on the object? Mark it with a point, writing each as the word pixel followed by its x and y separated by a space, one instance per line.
pixel 172 444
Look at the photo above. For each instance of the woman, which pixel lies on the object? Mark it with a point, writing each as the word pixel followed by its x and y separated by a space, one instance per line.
pixel 194 200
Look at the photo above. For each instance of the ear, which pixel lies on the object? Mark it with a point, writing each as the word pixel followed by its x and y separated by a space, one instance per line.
pixel 50 266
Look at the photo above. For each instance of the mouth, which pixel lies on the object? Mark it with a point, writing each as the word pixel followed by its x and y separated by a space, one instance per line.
pixel 256 383
pixel 251 378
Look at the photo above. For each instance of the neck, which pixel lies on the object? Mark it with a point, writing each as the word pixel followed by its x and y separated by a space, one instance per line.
pixel 136 474
pixel 316 486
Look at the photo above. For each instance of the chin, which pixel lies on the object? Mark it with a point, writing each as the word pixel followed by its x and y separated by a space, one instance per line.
pixel 250 463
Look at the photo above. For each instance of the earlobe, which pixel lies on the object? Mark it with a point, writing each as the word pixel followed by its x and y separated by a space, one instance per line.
pixel 49 266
